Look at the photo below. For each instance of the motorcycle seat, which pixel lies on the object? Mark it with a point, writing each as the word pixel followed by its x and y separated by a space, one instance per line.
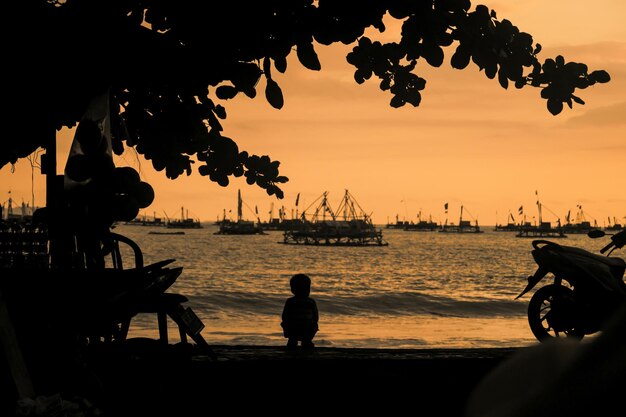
pixel 613 262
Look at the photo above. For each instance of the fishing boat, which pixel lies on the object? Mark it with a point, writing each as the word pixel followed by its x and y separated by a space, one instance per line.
pixel 543 229
pixel 146 221
pixel 510 226
pixel 22 214
pixel 580 225
pixel 398 224
pixel 240 226
pixel 421 225
pixel 185 222
pixel 282 222
pixel 273 223
pixel 614 226
pixel 348 226
pixel 464 226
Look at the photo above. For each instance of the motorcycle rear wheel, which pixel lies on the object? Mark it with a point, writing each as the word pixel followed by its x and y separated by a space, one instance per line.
pixel 551 313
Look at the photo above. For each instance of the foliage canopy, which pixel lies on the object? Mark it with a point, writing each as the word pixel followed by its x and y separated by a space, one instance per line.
pixel 170 63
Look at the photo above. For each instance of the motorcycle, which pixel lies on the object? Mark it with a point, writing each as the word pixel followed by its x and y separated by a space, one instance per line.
pixel 586 290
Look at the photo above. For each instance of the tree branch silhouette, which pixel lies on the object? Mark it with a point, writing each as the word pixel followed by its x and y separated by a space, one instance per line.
pixel 171 63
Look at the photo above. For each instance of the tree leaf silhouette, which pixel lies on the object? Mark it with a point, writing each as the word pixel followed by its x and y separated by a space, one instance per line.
pixel 432 53
pixel 554 106
pixel 226 92
pixel 308 57
pixel 461 58
pixel 274 94
pixel 280 63
pixel 600 76
pixel 163 92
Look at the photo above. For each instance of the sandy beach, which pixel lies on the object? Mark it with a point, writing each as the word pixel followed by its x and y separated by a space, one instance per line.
pixel 141 376
pixel 174 380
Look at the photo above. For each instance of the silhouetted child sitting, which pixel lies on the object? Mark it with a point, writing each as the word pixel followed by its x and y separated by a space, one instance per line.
pixel 300 315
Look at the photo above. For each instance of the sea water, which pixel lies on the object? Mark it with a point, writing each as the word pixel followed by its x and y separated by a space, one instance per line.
pixel 423 290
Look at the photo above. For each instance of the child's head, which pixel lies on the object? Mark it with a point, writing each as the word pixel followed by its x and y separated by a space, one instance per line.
pixel 300 285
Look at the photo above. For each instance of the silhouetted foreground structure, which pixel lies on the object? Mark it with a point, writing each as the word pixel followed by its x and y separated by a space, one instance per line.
pixel 141 377
pixel 261 379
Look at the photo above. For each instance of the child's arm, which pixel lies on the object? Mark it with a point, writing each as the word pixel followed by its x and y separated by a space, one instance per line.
pixel 286 311
pixel 316 315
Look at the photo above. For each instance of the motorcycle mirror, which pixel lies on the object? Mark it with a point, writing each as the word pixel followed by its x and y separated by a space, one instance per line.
pixel 595 233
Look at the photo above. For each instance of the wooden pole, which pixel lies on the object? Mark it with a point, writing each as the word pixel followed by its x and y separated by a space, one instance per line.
pixel 49 169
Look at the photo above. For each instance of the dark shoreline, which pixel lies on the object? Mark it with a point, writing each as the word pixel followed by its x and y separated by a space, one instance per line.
pixel 175 380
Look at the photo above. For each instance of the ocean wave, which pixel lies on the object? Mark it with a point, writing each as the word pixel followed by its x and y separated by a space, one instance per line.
pixel 381 304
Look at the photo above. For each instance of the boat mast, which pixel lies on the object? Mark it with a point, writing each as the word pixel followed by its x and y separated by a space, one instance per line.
pixel 297 201
pixel 239 214
pixel 538 207
pixel 9 206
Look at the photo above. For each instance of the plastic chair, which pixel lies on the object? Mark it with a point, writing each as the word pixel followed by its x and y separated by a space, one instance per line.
pixel 154 298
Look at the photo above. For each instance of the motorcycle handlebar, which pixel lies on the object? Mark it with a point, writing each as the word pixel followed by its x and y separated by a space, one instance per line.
pixel 618 240
pixel 607 247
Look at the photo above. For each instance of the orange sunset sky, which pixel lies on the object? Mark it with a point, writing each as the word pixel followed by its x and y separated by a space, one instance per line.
pixel 469 143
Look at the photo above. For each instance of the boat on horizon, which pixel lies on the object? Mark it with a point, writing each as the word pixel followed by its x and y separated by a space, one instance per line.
pixel 580 225
pixel 511 225
pixel 398 224
pixel 421 225
pixel 282 222
pixel 543 228
pixel 146 221
pixel 240 226
pixel 350 225
pixel 185 222
pixel 23 214
pixel 614 226
pixel 464 226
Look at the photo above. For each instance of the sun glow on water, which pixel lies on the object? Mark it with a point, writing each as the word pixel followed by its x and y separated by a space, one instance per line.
pixel 425 289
